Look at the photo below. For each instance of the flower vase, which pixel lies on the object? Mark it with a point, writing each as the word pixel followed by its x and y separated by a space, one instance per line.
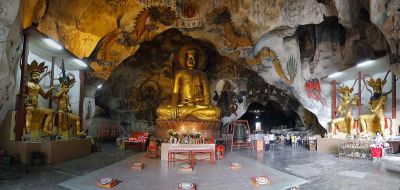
pixel 171 139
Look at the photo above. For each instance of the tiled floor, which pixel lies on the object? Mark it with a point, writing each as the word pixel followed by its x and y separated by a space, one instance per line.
pixel 290 166
pixel 158 175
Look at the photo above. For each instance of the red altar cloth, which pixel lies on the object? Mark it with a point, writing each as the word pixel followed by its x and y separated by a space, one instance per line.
pixel 376 152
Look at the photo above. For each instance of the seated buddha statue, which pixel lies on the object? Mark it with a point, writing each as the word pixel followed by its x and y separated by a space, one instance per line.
pixel 343 125
pixel 43 117
pixel 191 96
pixel 65 116
pixel 375 121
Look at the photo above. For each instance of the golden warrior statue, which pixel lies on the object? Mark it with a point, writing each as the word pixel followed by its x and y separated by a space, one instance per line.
pixel 64 107
pixel 344 124
pixel 33 125
pixel 375 121
pixel 191 95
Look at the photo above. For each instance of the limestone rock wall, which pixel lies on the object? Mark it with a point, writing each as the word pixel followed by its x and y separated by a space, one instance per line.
pixel 291 44
pixel 10 53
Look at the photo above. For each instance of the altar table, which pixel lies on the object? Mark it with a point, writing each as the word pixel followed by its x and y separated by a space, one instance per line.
pixel 166 146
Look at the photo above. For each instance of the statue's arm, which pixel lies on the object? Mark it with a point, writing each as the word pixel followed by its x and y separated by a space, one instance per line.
pixel 377 106
pixel 46 94
pixel 175 95
pixel 59 94
pixel 206 89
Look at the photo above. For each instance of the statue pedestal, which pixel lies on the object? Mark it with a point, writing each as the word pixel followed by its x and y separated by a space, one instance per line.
pixel 209 129
pixel 54 151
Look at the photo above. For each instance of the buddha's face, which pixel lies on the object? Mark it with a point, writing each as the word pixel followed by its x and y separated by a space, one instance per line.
pixel 35 76
pixel 191 59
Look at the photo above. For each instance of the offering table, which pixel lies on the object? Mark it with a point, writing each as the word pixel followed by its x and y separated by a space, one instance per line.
pixel 169 146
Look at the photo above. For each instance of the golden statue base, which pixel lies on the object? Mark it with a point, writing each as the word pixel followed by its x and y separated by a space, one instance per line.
pixel 209 129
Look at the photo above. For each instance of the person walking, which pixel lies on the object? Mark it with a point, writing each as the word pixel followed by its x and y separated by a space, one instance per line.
pixel 266 142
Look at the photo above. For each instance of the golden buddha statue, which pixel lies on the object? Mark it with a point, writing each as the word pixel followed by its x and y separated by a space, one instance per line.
pixel 64 108
pixel 343 125
pixel 191 95
pixel 34 124
pixel 376 120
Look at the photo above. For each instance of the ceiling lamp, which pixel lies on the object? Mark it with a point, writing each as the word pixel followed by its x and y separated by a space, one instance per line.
pixel 334 75
pixel 366 63
pixel 99 86
pixel 80 63
pixel 53 44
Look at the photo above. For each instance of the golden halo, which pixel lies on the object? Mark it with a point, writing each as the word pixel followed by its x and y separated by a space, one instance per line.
pixel 201 58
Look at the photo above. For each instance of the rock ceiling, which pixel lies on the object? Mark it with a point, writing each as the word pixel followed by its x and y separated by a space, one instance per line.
pixel 289 43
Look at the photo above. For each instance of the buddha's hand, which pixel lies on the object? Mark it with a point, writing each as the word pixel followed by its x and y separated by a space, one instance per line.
pixel 174 112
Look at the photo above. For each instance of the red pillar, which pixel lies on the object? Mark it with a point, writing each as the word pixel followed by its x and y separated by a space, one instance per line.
pixel 393 96
pixel 333 99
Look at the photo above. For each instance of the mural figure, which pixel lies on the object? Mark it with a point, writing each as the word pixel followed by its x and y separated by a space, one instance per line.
pixel 376 120
pixel 64 112
pixel 191 96
pixel 222 16
pixel 34 115
pixel 147 101
pixel 228 100
pixel 313 90
pixel 344 124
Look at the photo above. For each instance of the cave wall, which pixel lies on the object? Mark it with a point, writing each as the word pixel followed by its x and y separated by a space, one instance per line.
pixel 291 44
pixel 10 53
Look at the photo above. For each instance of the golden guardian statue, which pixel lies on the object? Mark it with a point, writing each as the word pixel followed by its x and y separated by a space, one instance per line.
pixel 376 120
pixel 64 113
pixel 343 125
pixel 36 118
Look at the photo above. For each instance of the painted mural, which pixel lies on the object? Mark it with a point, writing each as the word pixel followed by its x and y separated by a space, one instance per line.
pixel 292 45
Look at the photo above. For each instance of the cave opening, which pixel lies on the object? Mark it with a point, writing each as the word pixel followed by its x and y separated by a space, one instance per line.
pixel 271 116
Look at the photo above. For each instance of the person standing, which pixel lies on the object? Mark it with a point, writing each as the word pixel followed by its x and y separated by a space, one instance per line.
pixel 272 141
pixel 266 142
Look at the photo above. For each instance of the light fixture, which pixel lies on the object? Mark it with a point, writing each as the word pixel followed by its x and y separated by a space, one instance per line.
pixel 334 75
pixel 257 117
pixel 365 63
pixel 99 86
pixel 53 44
pixel 80 63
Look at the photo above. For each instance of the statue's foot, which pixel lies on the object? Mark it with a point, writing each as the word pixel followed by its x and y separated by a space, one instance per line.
pixel 27 137
pixel 47 132
pixel 81 133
